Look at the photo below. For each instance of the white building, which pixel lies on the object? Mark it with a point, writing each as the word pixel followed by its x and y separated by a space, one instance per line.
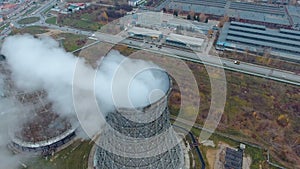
pixel 145 33
pixel 181 40
pixel 135 2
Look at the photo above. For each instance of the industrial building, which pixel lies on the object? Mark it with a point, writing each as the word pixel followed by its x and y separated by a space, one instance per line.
pixel 184 41
pixel 284 43
pixel 140 138
pixel 270 15
pixel 136 2
pixel 294 13
pixel 144 33
pixel 159 20
pixel 233 159
pixel 72 7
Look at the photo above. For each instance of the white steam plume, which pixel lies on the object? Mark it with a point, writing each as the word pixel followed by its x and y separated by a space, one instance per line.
pixel 38 64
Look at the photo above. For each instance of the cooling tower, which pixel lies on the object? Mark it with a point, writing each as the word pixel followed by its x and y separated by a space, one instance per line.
pixel 140 138
pixel 41 130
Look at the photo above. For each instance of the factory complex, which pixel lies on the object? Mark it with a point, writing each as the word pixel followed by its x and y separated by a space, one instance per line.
pixel 240 36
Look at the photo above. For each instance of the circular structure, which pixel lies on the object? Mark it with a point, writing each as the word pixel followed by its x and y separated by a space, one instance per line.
pixel 129 141
pixel 44 131
pixel 41 130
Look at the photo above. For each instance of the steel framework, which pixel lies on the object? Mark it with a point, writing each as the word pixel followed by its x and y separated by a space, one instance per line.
pixel 141 138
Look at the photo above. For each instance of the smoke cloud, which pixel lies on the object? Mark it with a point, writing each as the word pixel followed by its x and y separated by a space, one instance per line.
pixel 40 64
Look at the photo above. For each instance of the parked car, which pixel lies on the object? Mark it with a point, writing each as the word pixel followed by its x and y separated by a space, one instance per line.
pixel 236 62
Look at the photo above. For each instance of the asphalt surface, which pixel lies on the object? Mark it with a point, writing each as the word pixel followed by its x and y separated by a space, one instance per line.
pixel 243 67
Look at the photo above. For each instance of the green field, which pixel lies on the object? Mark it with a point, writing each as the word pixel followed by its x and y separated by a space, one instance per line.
pixel 28 20
pixel 269 61
pixel 73 157
pixel 257 155
pixel 30 29
pixel 252 108
pixel 51 20
pixel 80 24
pixel 71 41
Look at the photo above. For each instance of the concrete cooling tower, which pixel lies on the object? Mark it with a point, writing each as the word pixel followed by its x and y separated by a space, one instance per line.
pixel 40 129
pixel 140 138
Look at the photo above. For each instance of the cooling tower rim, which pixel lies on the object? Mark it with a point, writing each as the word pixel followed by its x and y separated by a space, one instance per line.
pixel 44 143
pixel 154 103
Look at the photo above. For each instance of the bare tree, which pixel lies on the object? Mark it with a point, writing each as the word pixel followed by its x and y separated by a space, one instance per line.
pixel 202 17
pixel 223 20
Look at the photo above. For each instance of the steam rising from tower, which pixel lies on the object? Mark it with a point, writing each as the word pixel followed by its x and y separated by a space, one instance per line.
pixel 139 138
pixel 40 65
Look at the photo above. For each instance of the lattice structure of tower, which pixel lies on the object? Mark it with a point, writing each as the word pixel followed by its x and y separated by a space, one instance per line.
pixel 142 139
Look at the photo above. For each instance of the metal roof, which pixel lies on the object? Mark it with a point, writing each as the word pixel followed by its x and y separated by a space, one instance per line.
pixel 144 31
pixel 241 24
pixel 283 41
pixel 263 43
pixel 248 11
pixel 269 9
pixel 186 39
pixel 272 33
pixel 264 38
pixel 215 3
pixel 294 13
pixel 233 159
pixel 291 32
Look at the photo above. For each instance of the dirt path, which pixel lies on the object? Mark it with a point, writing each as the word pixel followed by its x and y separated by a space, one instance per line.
pixel 211 157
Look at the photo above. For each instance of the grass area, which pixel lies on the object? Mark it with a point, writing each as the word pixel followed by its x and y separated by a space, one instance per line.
pixel 51 20
pixel 73 157
pixel 270 61
pixel 81 24
pixel 257 155
pixel 31 30
pixel 195 156
pixel 252 108
pixel 71 41
pixel 124 50
pixel 28 20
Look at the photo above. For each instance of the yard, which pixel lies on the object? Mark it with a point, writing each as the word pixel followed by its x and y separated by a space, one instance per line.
pixel 28 20
pixel 73 157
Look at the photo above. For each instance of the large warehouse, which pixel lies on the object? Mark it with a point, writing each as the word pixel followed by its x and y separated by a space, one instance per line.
pixel 270 15
pixel 256 38
pixel 143 33
pixel 184 41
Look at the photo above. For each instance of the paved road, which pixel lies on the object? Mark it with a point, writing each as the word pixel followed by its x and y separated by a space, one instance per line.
pixel 39 12
pixel 243 67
